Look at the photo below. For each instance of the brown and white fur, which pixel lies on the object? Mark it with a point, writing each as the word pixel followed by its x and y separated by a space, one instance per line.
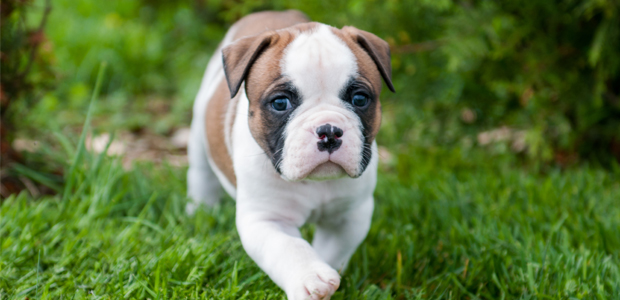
pixel 287 167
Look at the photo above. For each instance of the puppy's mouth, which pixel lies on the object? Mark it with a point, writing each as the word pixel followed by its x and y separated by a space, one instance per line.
pixel 326 171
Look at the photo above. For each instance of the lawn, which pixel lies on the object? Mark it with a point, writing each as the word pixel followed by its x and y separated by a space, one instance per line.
pixel 448 224
pixel 491 184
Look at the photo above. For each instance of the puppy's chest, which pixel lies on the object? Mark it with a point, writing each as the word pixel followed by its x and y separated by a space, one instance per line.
pixel 329 208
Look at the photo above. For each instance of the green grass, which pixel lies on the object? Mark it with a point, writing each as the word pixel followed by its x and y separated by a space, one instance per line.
pixel 448 225
pixel 452 221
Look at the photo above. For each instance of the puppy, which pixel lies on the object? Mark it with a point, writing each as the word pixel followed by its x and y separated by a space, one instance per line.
pixel 285 121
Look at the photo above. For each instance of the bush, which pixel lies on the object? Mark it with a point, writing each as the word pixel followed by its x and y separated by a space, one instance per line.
pixel 24 76
pixel 547 71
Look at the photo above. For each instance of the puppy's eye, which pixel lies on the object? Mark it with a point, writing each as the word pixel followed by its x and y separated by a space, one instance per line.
pixel 359 100
pixel 281 104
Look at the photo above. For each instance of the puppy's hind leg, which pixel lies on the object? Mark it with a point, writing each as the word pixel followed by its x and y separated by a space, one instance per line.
pixel 203 186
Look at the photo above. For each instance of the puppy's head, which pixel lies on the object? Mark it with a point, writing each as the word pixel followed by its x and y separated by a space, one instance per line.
pixel 314 96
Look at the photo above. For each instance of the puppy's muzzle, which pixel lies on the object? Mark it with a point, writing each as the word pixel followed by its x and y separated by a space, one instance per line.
pixel 329 138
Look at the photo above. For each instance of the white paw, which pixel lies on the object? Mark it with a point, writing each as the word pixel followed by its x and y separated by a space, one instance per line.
pixel 193 205
pixel 190 208
pixel 318 284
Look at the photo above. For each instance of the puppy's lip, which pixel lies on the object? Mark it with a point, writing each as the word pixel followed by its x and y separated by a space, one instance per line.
pixel 304 175
pixel 329 163
pixel 348 171
pixel 327 170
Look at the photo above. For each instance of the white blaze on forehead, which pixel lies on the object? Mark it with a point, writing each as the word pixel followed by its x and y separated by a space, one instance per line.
pixel 318 63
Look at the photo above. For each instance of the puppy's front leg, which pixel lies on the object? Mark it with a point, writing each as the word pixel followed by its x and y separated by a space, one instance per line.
pixel 337 237
pixel 275 244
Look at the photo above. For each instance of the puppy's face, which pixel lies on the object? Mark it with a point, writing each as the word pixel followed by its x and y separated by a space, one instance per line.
pixel 314 97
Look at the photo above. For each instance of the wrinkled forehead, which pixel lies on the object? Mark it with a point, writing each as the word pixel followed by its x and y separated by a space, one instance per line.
pixel 318 62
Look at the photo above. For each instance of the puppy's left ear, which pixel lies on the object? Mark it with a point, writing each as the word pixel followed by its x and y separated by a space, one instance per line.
pixel 378 49
pixel 239 56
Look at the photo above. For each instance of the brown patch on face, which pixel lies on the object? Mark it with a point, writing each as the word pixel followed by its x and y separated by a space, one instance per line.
pixel 368 73
pixel 376 48
pixel 215 119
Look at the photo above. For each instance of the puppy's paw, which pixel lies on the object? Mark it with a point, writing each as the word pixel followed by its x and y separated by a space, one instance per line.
pixel 319 283
pixel 193 205
pixel 190 208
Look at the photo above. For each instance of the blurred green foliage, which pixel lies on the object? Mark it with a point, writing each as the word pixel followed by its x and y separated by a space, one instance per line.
pixel 549 69
pixel 450 222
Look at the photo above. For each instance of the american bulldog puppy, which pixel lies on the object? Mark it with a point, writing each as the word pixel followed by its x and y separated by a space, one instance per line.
pixel 285 122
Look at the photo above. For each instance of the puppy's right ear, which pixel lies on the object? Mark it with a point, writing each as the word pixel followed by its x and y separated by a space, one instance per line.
pixel 239 56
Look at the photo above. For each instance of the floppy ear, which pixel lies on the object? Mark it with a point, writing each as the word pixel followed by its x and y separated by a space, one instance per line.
pixel 239 56
pixel 378 49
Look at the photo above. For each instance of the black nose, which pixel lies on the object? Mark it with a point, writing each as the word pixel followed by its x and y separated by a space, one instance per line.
pixel 329 138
